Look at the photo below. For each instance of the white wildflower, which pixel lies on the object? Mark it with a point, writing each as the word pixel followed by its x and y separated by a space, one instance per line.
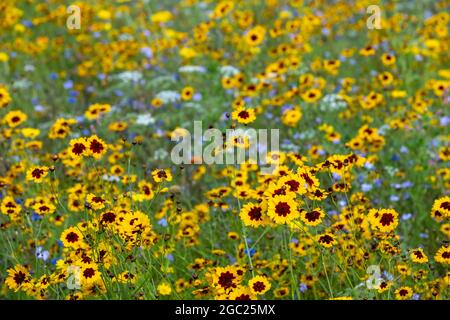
pixel 111 178
pixel 168 96
pixel 228 71
pixel 129 76
pixel 160 154
pixel 332 102
pixel 145 119
pixel 191 69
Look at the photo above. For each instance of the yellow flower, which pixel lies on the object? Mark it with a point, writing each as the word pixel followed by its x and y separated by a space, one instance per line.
pixel 17 277
pixel 327 240
pixel 439 87
pixel 441 209
pixel 161 16
pixel 383 286
pixel 61 128
pixel 96 110
pixel 242 293
pixel 253 215
pixel 444 73
pixel 37 174
pixel 233 235
pixel 5 98
pixel 117 170
pixel 30 132
pixel 19 28
pixel 9 206
pixel 445 229
pixel 118 126
pixel 259 285
pixel 332 66
pixel 223 8
pixel 292 116
pixel 443 255
pixel 418 256
pixel 188 53
pixel 126 277
pixel 444 154
pixel 226 279
pixel 161 175
pixel 187 93
pixel 282 209
pixel 96 203
pixel 313 217
pixel 255 36
pixel 275 157
pixel 164 289
pixel 311 95
pixel 3 57
pixel 146 191
pixel 397 94
pixel 96 147
pixel 156 102
pixel 281 292
pixel 367 51
pixel 384 220
pixel 15 118
pixel 228 82
pixel 89 274
pixel 388 59
pixel 403 293
pixel 44 208
pixel 243 115
pixel 104 14
pixel 78 147
pixel 385 78
pixel 72 238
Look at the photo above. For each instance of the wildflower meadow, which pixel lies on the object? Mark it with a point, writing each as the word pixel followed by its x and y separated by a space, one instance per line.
pixel 224 150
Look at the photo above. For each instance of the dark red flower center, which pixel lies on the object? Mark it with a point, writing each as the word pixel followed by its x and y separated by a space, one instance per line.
pixel 98 200
pixel 282 209
pixel 37 173
pixel 293 184
pixel 146 190
pixel 108 217
pixel 19 277
pixel 255 213
pixel 326 239
pixel 72 237
pixel 78 148
pixel 89 273
pixel 259 286
pixel 403 292
pixel 226 280
pixel 96 146
pixel 312 216
pixel 387 219
pixel 244 114
pixel 162 174
pixel 44 208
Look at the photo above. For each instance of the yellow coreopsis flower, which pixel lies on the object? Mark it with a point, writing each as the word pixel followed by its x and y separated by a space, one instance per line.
pixel 164 289
pixel 161 16
pixel 15 118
